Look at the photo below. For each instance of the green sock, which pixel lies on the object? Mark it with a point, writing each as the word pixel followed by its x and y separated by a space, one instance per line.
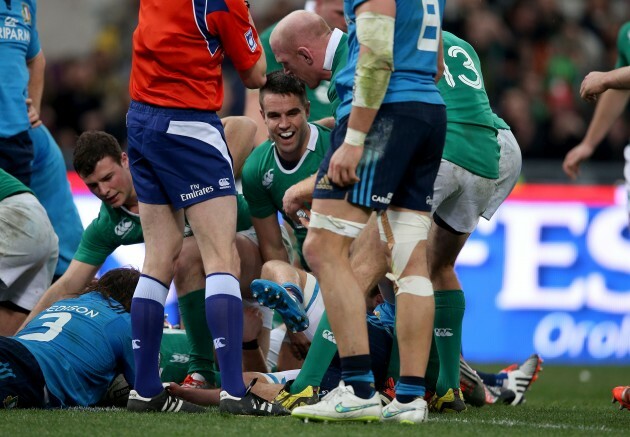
pixel 320 354
pixel 393 369
pixel 433 368
pixel 192 308
pixel 449 315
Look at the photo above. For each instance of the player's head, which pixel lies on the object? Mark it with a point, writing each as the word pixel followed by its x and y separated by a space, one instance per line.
pixel 285 109
pixel 299 44
pixel 118 284
pixel 104 167
pixel 332 12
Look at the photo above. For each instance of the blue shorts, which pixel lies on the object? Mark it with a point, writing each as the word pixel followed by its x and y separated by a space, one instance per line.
pixel 22 383
pixel 400 161
pixel 16 156
pixel 177 156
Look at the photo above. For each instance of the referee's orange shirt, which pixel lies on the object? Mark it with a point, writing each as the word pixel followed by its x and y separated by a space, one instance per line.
pixel 178 48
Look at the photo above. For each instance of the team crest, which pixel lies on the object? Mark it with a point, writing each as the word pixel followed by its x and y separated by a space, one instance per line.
pixel 251 41
pixel 26 14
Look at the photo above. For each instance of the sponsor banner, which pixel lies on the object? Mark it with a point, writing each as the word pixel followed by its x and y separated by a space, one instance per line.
pixel 550 273
pixel 550 276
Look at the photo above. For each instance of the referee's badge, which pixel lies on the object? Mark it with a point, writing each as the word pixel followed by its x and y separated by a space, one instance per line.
pixel 251 41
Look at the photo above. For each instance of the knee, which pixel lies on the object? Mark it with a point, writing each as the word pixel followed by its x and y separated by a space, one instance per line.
pixel 313 250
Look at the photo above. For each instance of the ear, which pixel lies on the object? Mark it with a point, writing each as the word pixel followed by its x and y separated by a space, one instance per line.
pixel 124 160
pixel 305 54
pixel 307 109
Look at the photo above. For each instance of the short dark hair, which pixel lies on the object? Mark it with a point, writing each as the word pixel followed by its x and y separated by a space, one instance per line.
pixel 118 284
pixel 91 147
pixel 278 82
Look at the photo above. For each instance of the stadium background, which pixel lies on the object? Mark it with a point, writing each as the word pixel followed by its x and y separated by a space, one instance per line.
pixel 549 273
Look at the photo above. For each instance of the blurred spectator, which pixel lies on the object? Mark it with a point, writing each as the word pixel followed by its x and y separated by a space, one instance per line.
pixel 534 54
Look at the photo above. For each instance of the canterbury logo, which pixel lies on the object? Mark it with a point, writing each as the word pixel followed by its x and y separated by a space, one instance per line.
pixel 135 343
pixel 443 332
pixel 180 358
pixel 123 227
pixel 328 335
pixel 219 342
pixel 268 179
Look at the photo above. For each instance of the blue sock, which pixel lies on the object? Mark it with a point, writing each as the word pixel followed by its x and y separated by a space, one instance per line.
pixel 356 371
pixel 492 379
pixel 224 313
pixel 294 290
pixel 147 322
pixel 409 388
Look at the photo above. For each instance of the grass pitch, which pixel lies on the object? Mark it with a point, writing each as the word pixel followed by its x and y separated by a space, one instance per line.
pixel 564 401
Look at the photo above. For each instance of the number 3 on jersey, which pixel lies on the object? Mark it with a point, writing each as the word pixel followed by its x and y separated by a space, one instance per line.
pixel 429 40
pixel 54 328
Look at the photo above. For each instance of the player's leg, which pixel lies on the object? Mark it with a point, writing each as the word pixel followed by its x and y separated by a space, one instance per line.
pixel 224 309
pixel 334 226
pixel 444 246
pixel 162 228
pixel 29 248
pixel 190 284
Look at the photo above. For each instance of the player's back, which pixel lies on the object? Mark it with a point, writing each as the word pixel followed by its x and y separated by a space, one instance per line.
pixel 416 45
pixel 178 48
pixel 80 344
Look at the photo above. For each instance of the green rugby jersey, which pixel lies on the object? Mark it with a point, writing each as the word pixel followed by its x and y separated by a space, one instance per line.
pixel 471 141
pixel 265 180
pixel 339 41
pixel 320 106
pixel 115 227
pixel 10 186
pixel 623 46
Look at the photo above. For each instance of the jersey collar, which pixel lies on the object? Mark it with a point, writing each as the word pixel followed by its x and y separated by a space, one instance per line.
pixel 331 49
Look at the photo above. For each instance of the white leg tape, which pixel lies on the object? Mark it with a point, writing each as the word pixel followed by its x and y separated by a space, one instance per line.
pixel 415 285
pixel 335 225
pixel 402 230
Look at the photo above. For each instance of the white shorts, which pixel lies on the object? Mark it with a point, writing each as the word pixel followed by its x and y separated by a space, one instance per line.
pixel 626 173
pixel 510 164
pixel 28 250
pixel 250 234
pixel 460 197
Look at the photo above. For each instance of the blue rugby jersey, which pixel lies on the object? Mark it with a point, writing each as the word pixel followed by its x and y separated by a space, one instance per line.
pixel 81 344
pixel 416 45
pixel 19 43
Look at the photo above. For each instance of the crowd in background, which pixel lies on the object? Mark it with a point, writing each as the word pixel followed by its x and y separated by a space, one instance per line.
pixel 535 53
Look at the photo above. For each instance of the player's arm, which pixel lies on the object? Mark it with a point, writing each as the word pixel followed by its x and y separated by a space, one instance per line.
pixel 609 107
pixel 596 82
pixel 36 67
pixel 328 122
pixel 297 195
pixel 239 134
pixel 375 33
pixel 440 60
pixel 270 238
pixel 73 281
pixel 252 110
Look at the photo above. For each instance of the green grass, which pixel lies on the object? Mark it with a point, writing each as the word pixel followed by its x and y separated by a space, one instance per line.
pixel 559 403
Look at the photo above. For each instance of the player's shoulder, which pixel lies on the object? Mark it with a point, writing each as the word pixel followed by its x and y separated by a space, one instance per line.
pixel 624 33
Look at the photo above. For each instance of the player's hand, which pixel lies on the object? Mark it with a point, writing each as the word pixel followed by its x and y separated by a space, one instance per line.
pixel 592 86
pixel 342 169
pixel 292 202
pixel 576 155
pixel 299 344
pixel 252 323
pixel 33 115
